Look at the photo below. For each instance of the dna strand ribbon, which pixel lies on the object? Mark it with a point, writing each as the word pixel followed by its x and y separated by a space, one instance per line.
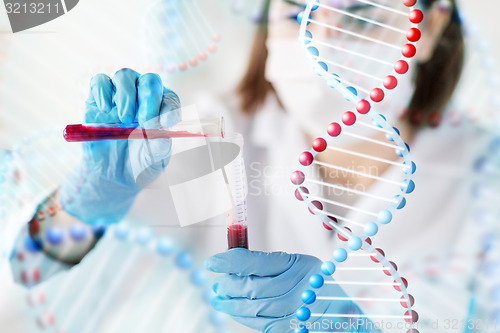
pixel 178 33
pixel 362 49
pixel 125 275
pixel 73 301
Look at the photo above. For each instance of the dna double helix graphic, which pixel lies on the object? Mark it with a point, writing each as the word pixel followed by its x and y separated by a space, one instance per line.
pixel 178 33
pixel 30 172
pixel 138 282
pixel 362 49
pixel 484 306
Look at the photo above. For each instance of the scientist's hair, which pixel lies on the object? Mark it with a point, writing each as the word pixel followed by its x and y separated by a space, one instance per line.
pixel 254 88
pixel 435 80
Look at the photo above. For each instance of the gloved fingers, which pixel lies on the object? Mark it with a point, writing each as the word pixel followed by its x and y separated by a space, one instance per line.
pixel 159 150
pixel 94 115
pixel 101 91
pixel 253 287
pixel 243 262
pixel 171 112
pixel 125 98
pixel 267 307
pixel 149 97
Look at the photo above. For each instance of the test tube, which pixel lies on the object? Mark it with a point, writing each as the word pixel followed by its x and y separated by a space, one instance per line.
pixel 236 217
pixel 118 131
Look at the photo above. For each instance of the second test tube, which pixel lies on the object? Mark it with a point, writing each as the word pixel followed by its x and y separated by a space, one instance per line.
pixel 236 217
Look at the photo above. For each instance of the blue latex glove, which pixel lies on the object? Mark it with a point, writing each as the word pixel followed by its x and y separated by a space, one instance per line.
pixel 263 290
pixel 112 173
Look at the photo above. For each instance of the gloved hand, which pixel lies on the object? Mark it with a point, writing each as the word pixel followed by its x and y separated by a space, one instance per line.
pixel 112 173
pixel 263 290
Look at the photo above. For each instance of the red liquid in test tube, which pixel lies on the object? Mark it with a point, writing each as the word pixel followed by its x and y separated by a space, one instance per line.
pixel 184 129
pixel 237 236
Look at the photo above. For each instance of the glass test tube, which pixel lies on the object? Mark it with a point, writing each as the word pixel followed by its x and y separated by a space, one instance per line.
pixel 236 217
pixel 117 131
